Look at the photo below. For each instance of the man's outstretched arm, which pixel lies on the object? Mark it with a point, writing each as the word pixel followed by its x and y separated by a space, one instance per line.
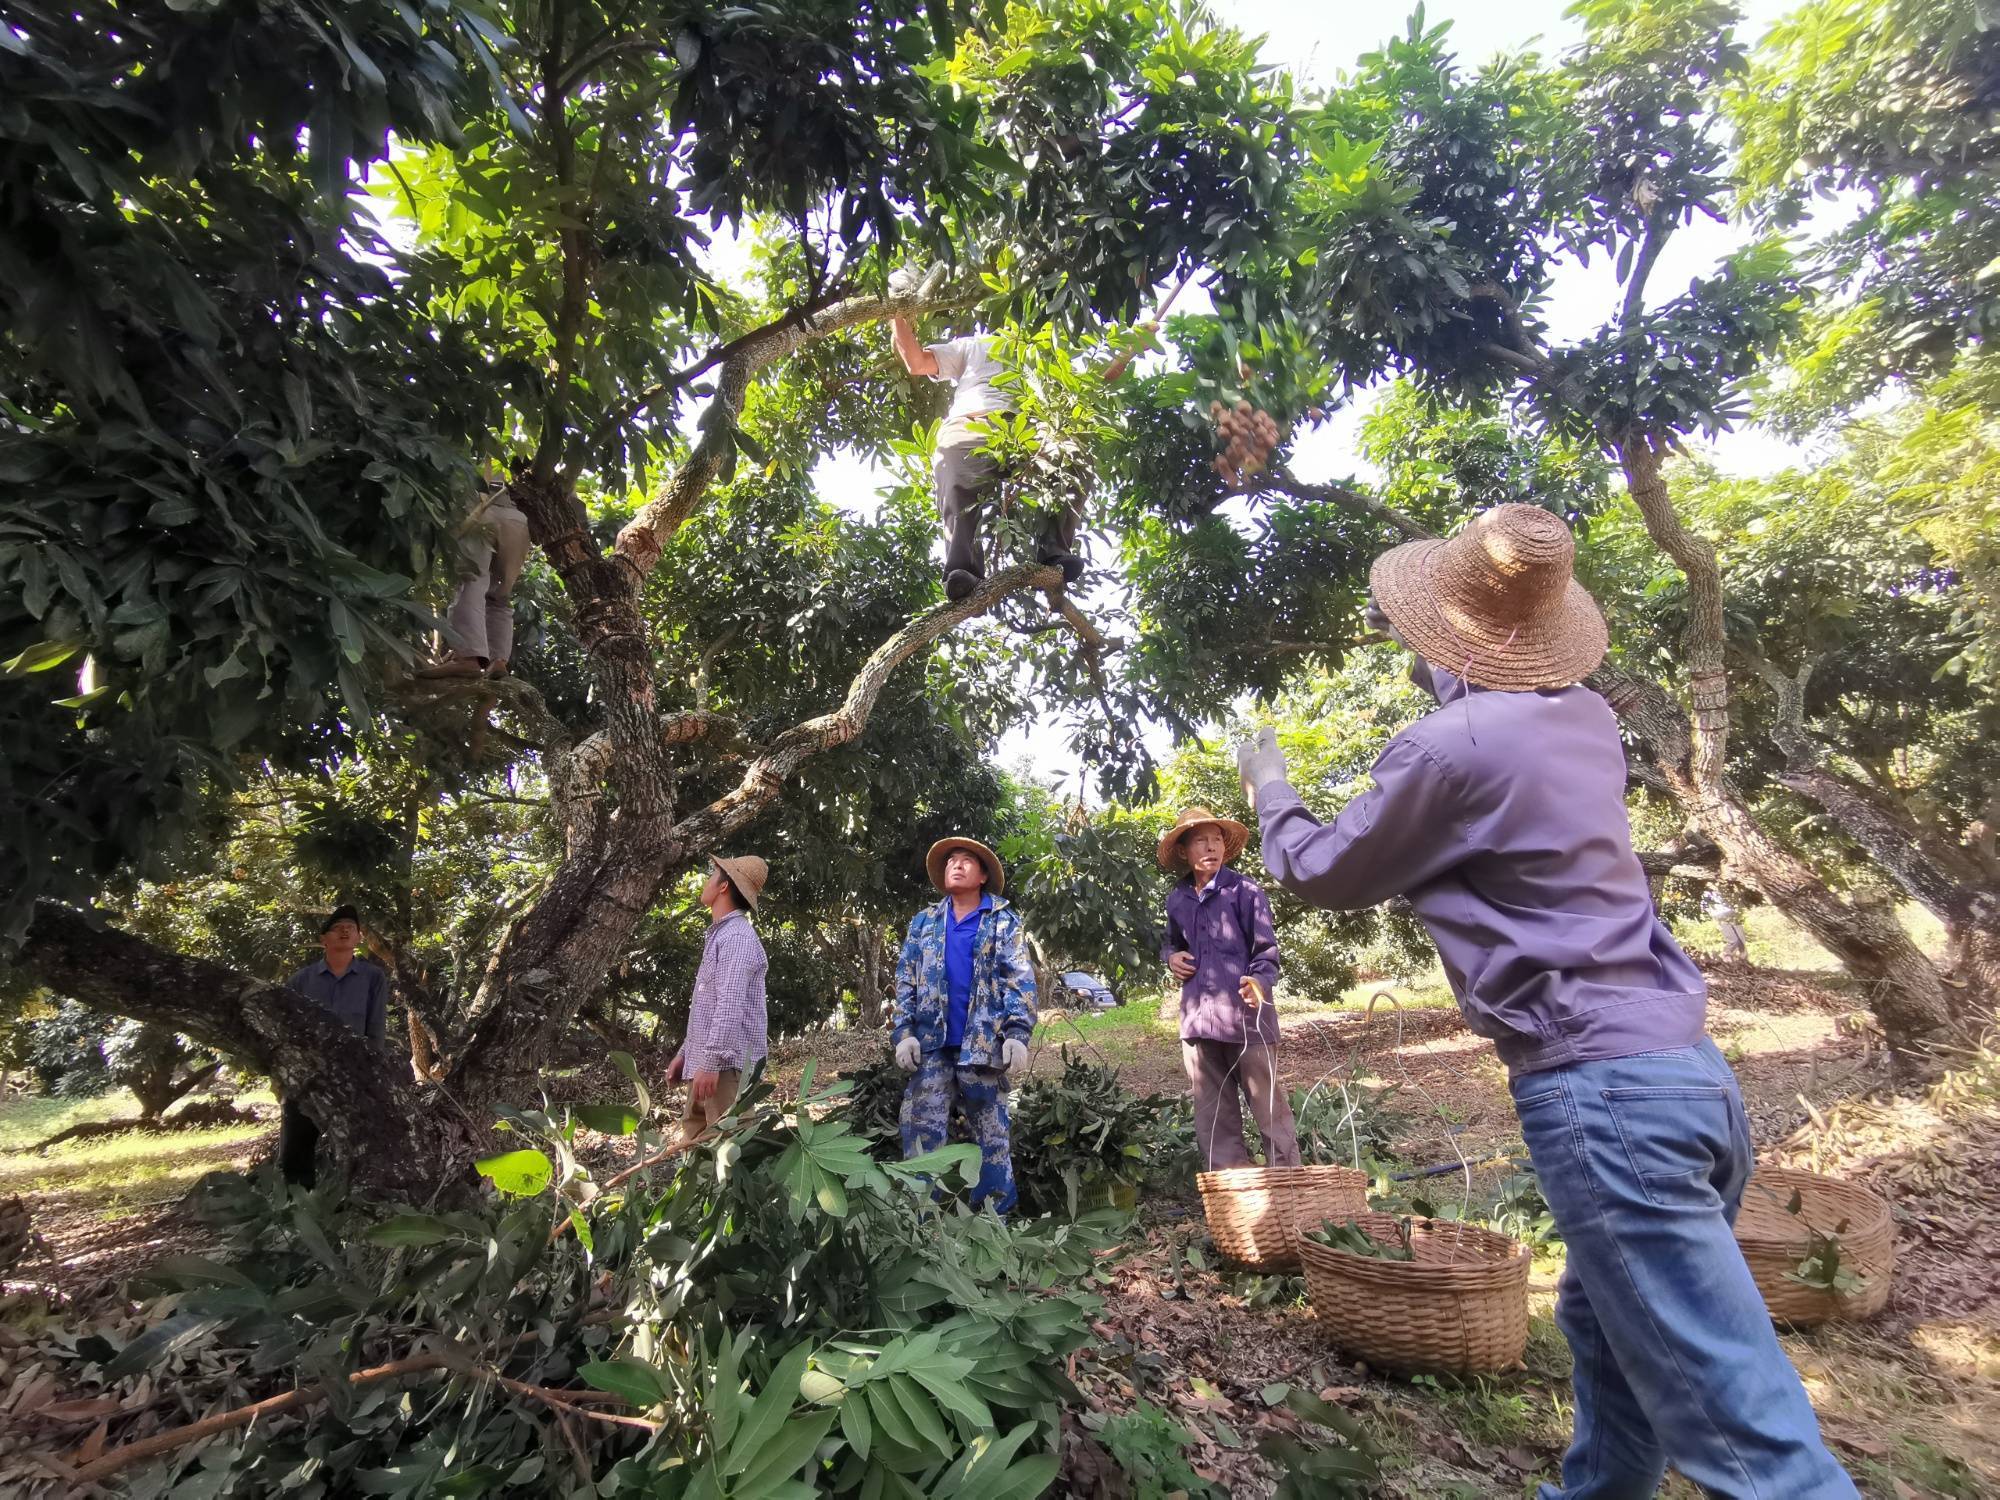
pixel 909 348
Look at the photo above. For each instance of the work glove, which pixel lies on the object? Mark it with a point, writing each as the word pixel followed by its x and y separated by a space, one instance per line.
pixel 1014 1057
pixel 1260 762
pixel 908 1054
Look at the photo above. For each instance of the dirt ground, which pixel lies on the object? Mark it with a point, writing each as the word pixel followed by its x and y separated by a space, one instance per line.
pixel 1911 1400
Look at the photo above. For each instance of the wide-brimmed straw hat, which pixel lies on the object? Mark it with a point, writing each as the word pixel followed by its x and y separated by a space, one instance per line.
pixel 746 872
pixel 1173 843
pixel 1496 604
pixel 996 878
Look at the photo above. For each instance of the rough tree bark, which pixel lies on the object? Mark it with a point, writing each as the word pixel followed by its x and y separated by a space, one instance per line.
pixel 359 1093
pixel 1950 882
pixel 1905 991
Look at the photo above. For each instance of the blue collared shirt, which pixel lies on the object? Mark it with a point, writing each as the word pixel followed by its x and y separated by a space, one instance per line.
pixel 961 936
pixel 359 999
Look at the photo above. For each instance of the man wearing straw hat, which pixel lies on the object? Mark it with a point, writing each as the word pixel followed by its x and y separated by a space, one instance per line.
pixel 727 1023
pixel 1223 948
pixel 1501 816
pixel 965 1008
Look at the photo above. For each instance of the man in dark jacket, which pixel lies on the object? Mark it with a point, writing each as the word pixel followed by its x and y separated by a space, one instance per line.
pixel 357 993
pixel 1501 816
pixel 1222 946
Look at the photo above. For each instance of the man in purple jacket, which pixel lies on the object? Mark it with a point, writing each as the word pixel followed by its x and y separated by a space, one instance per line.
pixel 1501 816
pixel 1222 947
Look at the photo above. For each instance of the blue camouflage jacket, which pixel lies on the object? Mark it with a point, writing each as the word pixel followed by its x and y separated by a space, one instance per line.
pixel 1003 985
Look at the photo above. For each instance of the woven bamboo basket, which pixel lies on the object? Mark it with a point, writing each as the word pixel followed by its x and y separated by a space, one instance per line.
pixel 1252 1210
pixel 1774 1241
pixel 1461 1307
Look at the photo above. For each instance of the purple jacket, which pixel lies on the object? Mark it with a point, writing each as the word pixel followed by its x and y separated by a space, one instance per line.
pixel 1228 930
pixel 1502 817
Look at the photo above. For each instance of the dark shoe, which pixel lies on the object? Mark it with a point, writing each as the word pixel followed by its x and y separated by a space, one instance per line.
pixel 959 584
pixel 1069 562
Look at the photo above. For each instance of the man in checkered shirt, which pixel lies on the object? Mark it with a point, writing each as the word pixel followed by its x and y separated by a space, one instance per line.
pixel 727 1028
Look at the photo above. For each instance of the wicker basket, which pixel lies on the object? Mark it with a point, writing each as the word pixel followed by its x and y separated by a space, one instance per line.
pixel 1252 1210
pixel 1775 1241
pixel 1460 1307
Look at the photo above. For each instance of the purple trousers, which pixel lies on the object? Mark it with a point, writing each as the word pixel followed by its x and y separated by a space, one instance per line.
pixel 1221 1076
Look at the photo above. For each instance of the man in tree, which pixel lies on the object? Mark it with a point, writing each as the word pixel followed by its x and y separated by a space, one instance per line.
pixel 357 993
pixel 1501 816
pixel 479 627
pixel 966 475
pixel 1223 947
pixel 965 1008
pixel 728 1028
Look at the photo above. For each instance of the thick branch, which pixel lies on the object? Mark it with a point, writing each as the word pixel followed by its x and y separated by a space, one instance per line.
pixel 349 1086
pixel 1287 483
pixel 647 533
pixel 765 778
pixel 1658 229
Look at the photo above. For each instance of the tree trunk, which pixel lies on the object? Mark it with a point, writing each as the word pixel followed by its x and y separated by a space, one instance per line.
pixel 1905 992
pixel 868 937
pixel 1943 882
pixel 1951 883
pixel 356 1091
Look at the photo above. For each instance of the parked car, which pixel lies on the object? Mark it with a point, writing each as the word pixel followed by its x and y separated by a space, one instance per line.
pixel 1087 991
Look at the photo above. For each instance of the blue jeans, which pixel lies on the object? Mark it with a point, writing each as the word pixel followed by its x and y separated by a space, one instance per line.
pixel 939 1085
pixel 1643 1161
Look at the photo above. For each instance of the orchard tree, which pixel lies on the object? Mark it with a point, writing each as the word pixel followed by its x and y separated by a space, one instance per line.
pixel 1884 116
pixel 1438 204
pixel 560 173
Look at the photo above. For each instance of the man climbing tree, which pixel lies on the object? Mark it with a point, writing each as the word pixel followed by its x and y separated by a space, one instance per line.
pixel 968 476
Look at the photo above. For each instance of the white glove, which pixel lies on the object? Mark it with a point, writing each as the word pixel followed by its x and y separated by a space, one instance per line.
pixel 1260 762
pixel 1014 1057
pixel 908 1054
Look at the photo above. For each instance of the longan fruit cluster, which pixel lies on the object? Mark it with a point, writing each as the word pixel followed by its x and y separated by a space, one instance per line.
pixel 1248 433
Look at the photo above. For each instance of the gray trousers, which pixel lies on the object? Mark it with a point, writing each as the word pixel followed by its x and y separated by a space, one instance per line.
pixel 481 619
pixel 1221 1076
pixel 966 479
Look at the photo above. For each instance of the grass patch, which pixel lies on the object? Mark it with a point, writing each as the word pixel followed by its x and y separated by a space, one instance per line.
pixel 115 1175
pixel 1775 943
pixel 1119 1034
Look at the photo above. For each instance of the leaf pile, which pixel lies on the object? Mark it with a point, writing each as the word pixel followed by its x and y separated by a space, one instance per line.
pixel 774 1314
pixel 1355 1240
pixel 1081 1140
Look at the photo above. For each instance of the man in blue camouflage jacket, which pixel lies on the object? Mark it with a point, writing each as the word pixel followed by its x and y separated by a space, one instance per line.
pixel 965 1008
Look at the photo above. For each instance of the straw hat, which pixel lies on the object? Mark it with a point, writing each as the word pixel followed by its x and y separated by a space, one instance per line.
pixel 1173 846
pixel 996 878
pixel 746 872
pixel 1496 604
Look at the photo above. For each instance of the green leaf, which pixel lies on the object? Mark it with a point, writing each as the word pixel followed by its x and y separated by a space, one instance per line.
pixel 39 658
pixel 623 1062
pixel 186 1271
pixel 518 1174
pixel 787 1453
pixel 855 1424
pixel 629 1379
pixel 767 1414
pixel 607 1119
pixel 156 1343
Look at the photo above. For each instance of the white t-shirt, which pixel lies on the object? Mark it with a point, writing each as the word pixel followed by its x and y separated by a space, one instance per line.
pixel 969 364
